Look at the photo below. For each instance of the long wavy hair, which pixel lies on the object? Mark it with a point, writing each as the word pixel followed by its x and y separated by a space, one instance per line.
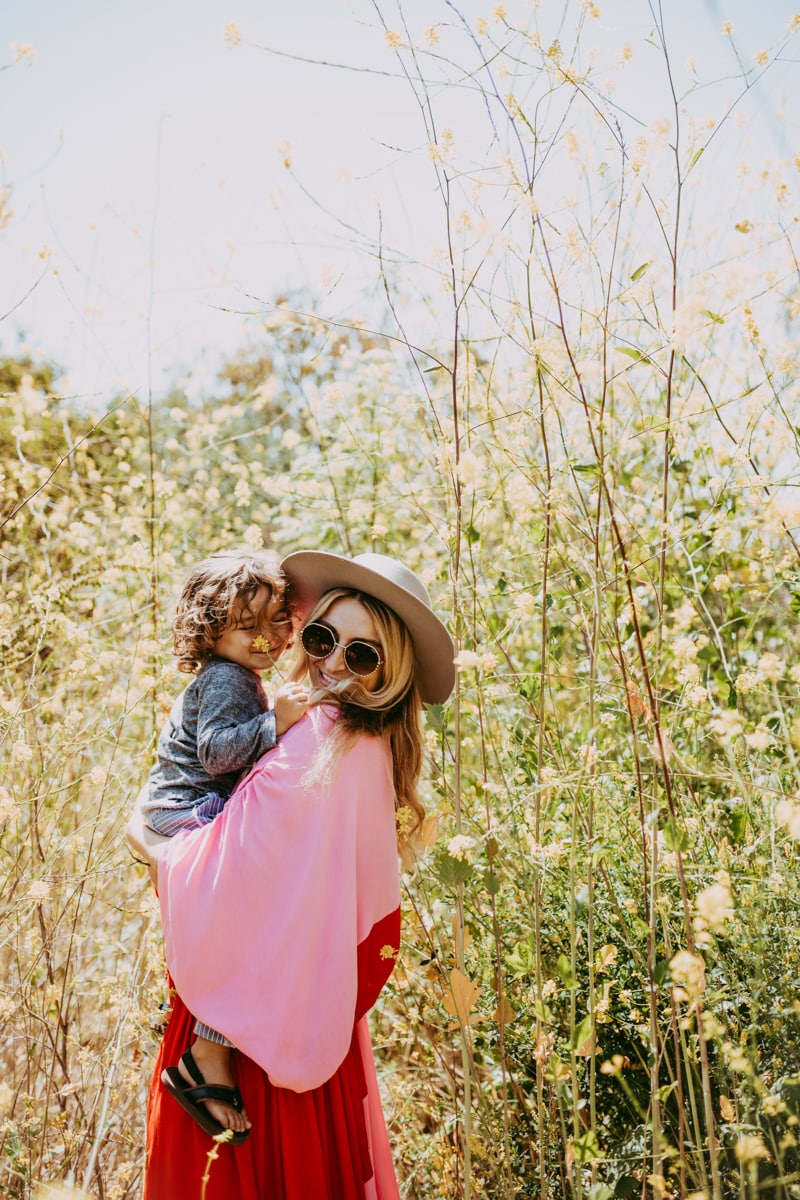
pixel 212 590
pixel 392 707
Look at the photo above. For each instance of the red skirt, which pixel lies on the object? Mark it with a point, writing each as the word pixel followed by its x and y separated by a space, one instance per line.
pixel 311 1145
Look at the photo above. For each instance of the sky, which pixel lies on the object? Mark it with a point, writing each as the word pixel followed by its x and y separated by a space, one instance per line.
pixel 148 207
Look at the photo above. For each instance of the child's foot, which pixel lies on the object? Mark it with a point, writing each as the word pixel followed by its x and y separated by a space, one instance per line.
pixel 195 1098
pixel 214 1062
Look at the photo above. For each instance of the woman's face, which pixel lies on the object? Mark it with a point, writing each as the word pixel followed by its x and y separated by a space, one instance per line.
pixel 348 621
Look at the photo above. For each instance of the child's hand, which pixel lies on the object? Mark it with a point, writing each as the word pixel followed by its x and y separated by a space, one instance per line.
pixel 291 701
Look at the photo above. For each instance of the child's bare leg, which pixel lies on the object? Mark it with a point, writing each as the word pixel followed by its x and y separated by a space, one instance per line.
pixel 214 1062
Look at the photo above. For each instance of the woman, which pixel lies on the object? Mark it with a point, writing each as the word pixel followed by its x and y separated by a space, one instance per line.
pixel 296 887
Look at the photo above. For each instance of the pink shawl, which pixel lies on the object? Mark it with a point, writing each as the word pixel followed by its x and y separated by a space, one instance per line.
pixel 264 908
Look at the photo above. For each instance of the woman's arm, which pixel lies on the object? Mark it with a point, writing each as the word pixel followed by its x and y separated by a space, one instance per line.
pixel 144 844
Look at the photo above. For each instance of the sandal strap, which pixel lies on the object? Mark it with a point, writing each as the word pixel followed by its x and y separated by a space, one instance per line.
pixel 191 1066
pixel 216 1091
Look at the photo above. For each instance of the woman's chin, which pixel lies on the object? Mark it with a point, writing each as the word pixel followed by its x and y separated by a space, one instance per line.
pixel 323 689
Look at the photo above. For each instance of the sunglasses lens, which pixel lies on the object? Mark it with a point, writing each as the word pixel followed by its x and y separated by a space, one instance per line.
pixel 318 642
pixel 362 659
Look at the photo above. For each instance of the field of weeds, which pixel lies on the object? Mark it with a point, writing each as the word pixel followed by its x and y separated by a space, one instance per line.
pixel 582 431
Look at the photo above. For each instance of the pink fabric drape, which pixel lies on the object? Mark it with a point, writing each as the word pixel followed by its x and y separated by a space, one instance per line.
pixel 266 910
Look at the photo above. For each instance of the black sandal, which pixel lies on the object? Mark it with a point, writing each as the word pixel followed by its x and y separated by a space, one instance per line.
pixel 191 1098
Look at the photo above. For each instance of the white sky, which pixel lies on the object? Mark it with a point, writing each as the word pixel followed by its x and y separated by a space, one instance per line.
pixel 140 148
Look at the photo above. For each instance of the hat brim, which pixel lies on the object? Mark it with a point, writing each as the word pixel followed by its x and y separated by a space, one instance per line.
pixel 312 573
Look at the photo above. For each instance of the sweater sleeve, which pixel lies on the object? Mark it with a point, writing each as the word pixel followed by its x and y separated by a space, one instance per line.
pixel 233 730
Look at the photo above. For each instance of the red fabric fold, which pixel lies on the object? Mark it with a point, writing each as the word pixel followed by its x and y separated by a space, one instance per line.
pixel 322 1144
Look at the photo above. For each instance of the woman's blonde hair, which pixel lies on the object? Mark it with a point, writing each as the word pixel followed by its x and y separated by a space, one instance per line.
pixel 206 604
pixel 392 708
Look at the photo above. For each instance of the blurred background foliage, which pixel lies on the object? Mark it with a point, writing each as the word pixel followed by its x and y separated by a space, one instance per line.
pixel 584 437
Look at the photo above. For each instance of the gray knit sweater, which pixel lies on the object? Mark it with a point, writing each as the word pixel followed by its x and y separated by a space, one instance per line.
pixel 219 724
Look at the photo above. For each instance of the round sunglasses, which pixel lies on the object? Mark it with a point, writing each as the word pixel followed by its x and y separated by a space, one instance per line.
pixel 359 657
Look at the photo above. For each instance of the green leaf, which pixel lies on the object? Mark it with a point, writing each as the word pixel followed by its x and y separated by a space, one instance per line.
pixel 635 354
pixel 713 316
pixel 794 603
pixel 661 972
pixel 695 158
pixel 564 969
pixel 581 1033
pixel 725 690
pixel 600 1191
pixel 542 1012
pixel 434 716
pixel 675 836
pixel 521 960
pixel 587 1147
pixel 452 871
pixel 639 272
pixel 491 883
pixel 529 687
pixel 471 534
pixel 737 818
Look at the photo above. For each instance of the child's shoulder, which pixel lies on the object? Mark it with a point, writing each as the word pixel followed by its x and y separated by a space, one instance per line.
pixel 224 666
pixel 220 673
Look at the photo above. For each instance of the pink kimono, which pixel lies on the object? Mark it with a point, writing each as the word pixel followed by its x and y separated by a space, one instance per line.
pixel 281 924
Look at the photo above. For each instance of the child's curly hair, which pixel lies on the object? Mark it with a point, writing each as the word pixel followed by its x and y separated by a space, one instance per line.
pixel 206 602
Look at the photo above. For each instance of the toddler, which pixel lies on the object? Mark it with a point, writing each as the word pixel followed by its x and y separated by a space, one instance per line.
pixel 232 622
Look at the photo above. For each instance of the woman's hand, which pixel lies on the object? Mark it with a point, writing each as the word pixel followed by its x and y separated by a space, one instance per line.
pixel 144 844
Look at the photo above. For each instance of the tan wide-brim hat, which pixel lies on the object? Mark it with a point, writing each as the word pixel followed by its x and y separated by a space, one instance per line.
pixel 312 573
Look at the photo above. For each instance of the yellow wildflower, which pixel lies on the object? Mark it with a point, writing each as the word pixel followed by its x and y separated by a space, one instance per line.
pixel 467 660
pixel 715 906
pixel 23 52
pixel 749 1147
pixel 461 846
pixel 284 151
pixel 771 666
pixel 688 970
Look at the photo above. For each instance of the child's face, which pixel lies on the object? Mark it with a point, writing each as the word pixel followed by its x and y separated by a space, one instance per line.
pixel 257 635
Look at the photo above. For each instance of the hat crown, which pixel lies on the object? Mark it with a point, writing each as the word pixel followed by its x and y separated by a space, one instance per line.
pixel 394 571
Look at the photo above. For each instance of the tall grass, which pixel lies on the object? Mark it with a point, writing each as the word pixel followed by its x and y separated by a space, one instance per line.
pixel 579 426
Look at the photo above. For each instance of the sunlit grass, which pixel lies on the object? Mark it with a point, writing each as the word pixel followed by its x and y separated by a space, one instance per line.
pixel 587 448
